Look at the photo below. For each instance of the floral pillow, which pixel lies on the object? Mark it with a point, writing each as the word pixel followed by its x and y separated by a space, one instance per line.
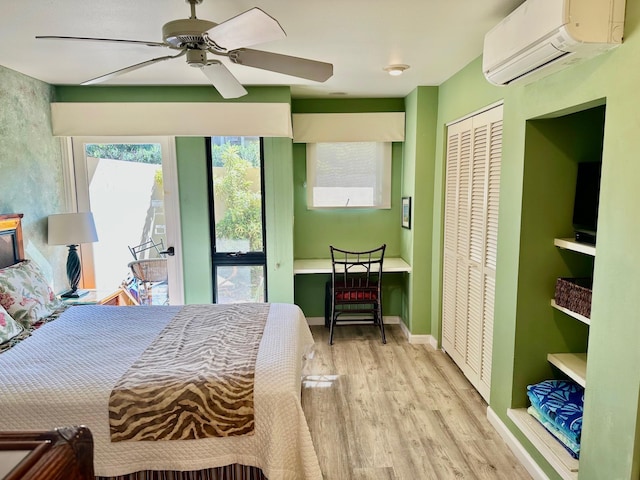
pixel 25 293
pixel 9 328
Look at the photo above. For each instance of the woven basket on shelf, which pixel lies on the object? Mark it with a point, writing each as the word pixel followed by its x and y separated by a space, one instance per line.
pixel 574 294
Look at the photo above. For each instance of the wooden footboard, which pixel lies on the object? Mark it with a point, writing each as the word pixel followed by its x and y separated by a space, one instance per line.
pixel 62 454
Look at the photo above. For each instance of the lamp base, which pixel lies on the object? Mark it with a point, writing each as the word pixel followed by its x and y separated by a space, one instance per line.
pixel 74 293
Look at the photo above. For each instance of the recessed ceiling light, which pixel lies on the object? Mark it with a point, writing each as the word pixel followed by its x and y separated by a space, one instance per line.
pixel 395 70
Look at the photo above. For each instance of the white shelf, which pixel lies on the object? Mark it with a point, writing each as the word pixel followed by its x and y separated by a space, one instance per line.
pixel 574 365
pixel 547 445
pixel 571 244
pixel 571 313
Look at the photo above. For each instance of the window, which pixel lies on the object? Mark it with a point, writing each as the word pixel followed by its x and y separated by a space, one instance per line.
pixel 236 187
pixel 349 175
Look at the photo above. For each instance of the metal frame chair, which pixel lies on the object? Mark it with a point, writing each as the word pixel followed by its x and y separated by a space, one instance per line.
pixel 149 272
pixel 148 245
pixel 356 287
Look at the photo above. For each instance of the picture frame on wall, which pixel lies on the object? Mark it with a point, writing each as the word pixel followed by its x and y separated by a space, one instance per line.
pixel 406 212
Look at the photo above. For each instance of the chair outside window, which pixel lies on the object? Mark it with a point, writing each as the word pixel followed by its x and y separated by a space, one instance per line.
pixel 149 272
pixel 149 268
pixel 146 249
pixel 356 287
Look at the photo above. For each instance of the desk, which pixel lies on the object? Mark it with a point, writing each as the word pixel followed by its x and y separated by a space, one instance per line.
pixel 323 265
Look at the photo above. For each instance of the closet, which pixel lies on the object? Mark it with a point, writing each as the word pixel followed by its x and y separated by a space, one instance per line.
pixel 472 188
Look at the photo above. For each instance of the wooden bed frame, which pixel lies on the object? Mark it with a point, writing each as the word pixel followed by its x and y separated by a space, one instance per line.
pixel 11 245
pixel 12 252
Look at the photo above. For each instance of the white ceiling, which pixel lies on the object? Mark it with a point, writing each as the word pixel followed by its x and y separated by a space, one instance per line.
pixel 360 37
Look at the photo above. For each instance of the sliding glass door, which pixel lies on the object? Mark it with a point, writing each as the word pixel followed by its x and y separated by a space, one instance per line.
pixel 237 219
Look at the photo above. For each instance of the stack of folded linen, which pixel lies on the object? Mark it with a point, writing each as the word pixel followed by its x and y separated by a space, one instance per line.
pixel 558 406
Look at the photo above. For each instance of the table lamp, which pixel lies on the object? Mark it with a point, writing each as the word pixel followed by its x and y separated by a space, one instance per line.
pixel 72 229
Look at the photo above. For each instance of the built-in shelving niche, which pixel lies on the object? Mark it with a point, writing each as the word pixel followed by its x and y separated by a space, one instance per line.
pixel 550 341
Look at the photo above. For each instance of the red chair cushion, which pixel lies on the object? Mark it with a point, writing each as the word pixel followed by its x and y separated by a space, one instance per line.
pixel 356 294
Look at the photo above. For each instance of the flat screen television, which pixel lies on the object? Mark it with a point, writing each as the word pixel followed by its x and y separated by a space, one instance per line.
pixel 585 206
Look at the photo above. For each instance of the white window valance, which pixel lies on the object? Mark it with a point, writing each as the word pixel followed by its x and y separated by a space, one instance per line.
pixel 171 118
pixel 348 127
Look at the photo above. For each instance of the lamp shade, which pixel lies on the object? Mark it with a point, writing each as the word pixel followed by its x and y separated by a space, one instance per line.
pixel 71 229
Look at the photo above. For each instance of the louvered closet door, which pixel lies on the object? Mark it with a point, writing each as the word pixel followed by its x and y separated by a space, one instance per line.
pixel 470 240
pixel 456 208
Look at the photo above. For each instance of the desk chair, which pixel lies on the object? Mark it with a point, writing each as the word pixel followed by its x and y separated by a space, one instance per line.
pixel 356 281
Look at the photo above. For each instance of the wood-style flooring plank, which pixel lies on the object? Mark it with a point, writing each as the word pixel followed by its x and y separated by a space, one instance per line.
pixel 397 412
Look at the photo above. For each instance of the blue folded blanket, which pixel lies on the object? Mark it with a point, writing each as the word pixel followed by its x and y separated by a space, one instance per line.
pixel 562 403
pixel 571 447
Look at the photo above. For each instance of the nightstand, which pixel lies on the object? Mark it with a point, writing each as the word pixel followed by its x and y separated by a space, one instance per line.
pixel 119 298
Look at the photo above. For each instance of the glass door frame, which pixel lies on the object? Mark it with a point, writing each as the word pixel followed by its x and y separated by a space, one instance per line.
pixel 240 259
pixel 77 172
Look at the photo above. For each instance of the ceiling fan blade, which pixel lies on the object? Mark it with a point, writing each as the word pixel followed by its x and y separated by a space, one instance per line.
pixel 275 62
pixel 223 80
pixel 248 28
pixel 112 40
pixel 109 76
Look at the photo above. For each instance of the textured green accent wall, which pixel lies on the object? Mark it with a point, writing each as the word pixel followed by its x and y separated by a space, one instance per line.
pixel 31 179
pixel 539 157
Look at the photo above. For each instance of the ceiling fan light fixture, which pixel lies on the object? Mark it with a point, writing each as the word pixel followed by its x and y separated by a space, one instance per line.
pixel 396 70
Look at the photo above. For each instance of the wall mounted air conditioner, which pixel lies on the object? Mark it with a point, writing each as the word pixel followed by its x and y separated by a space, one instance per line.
pixel 543 36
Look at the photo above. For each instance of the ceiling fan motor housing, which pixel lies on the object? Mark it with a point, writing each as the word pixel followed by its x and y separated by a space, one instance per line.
pixel 186 33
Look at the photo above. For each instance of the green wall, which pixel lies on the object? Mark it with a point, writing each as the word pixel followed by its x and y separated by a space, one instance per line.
pixel 537 156
pixel 418 182
pixel 194 218
pixel 351 229
pixel 31 179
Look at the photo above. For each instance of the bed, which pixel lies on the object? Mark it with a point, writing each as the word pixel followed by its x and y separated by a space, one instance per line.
pixel 64 373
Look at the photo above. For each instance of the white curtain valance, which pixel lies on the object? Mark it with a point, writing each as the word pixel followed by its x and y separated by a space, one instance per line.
pixel 175 118
pixel 348 127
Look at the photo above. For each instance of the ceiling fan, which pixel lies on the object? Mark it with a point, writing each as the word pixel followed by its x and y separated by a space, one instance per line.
pixel 195 38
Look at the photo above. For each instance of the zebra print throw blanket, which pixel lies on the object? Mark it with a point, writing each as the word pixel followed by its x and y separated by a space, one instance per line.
pixel 196 378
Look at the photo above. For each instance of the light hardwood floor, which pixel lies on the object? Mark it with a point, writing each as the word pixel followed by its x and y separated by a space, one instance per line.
pixel 397 411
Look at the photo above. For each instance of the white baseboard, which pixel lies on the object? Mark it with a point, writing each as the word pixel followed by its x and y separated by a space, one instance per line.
pixel 516 447
pixel 418 339
pixel 388 320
